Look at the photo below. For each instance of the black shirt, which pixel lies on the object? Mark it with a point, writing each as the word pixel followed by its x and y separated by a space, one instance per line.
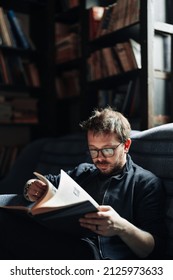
pixel 135 194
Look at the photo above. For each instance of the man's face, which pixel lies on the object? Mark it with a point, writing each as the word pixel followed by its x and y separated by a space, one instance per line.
pixel 107 152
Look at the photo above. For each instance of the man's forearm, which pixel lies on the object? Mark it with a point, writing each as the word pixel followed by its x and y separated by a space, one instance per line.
pixel 140 242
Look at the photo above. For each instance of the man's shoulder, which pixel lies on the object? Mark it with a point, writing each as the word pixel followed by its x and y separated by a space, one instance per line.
pixel 144 172
pixel 139 169
pixel 82 171
pixel 147 180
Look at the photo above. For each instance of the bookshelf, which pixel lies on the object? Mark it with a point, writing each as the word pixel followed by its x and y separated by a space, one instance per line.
pixel 142 79
pixel 152 31
pixel 158 82
pixel 69 91
pixel 70 62
pixel 20 81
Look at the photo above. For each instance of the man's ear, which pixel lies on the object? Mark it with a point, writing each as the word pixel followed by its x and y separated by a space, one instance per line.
pixel 127 145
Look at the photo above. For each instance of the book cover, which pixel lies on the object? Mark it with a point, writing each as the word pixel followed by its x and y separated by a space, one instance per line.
pixel 123 56
pixel 110 61
pixel 18 31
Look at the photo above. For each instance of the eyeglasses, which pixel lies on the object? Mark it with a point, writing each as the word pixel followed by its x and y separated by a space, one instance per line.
pixel 106 152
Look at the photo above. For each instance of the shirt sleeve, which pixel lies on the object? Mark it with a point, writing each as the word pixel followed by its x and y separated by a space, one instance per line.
pixel 149 211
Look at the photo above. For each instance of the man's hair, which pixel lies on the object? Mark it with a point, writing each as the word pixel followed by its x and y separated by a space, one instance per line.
pixel 107 121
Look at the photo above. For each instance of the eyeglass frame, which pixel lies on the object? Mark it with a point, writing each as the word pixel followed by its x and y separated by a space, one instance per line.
pixel 101 150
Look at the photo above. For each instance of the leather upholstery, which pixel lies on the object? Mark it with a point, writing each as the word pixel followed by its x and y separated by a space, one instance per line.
pixel 153 150
pixel 45 156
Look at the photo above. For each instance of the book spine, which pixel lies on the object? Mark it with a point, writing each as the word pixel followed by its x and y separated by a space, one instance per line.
pixel 23 42
pixel 4 30
pixel 123 56
pixel 4 69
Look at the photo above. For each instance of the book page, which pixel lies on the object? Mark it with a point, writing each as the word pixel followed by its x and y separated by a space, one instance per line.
pixel 51 190
pixel 68 193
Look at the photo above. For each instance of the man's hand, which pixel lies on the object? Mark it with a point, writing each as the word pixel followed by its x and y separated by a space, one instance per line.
pixel 106 221
pixel 34 189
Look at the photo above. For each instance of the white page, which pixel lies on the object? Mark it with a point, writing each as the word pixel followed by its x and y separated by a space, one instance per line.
pixel 68 193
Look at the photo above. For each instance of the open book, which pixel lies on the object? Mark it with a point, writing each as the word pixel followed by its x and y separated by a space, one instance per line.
pixel 58 209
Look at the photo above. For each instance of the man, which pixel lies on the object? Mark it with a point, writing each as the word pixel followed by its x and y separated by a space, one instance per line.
pixel 129 223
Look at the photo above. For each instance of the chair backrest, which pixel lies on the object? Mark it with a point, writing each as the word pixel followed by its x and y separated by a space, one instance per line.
pixel 153 150
pixel 63 153
pixel 46 155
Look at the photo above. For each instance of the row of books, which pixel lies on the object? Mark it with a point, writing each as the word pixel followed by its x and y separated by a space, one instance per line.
pixel 122 57
pixel 119 15
pixel 8 155
pixel 108 19
pixel 68 48
pixel 18 110
pixel 68 84
pixel 12 33
pixel 15 70
pixel 124 98
pixel 67 42
pixel 95 17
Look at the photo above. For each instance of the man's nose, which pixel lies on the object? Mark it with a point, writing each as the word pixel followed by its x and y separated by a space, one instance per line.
pixel 100 154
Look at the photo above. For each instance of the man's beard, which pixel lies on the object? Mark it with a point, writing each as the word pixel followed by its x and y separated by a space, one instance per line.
pixel 111 169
